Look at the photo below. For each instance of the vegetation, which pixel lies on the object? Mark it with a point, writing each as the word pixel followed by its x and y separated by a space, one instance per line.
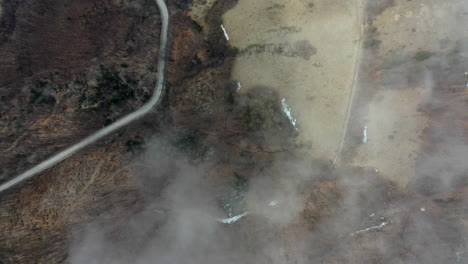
pixel 229 98
pixel 241 183
pixel 133 144
pixel 262 110
pixel 252 118
pixel 309 217
pixel 190 143
pixel 422 55
pixel 454 57
pixel 232 51
pixel 110 89
pixel 370 42
pixel 234 202
pixel 217 50
pixel 394 60
pixel 39 94
pixel 197 26
pixel 40 84
pixel 186 142
pixel 108 121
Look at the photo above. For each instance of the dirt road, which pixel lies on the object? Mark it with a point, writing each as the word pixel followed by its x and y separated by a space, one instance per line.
pixel 114 126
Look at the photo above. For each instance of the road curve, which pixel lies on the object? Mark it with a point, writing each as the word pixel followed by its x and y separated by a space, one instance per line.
pixel 146 108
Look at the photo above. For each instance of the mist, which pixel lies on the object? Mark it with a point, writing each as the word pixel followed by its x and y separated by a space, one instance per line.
pixel 385 204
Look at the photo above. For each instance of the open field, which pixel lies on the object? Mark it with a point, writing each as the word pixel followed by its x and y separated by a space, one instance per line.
pixel 308 53
pixel 416 39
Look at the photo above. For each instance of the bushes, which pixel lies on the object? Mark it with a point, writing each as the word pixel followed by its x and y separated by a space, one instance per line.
pixel 133 144
pixel 422 55
pixel 197 26
pixel 371 42
pixel 229 98
pixel 260 112
pixel 454 57
pixel 394 60
pixel 110 89
pixel 40 95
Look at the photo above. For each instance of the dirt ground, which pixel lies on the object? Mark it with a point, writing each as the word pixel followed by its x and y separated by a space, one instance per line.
pixel 307 52
pixel 393 117
pixel 199 10
pixel 394 126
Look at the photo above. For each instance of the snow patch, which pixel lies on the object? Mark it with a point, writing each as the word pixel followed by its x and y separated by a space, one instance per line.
pixel 273 203
pixel 372 215
pixel 459 256
pixel 466 74
pixel 232 219
pixel 423 209
pixel 225 32
pixel 238 86
pixel 384 223
pixel 364 138
pixel 287 111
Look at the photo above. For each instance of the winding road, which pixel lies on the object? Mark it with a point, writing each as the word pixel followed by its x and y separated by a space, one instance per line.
pixel 146 108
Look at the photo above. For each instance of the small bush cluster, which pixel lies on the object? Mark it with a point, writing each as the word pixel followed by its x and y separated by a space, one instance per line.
pixel 259 113
pixel 422 55
pixel 110 89
pixel 133 144
pixel 39 94
pixel 197 26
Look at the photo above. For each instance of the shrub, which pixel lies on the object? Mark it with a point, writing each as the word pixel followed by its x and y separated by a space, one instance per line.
pixel 394 60
pixel 422 55
pixel 229 98
pixel 454 57
pixel 370 42
pixel 40 95
pixel 110 89
pixel 197 26
pixel 259 114
pixel 132 144
pixel 232 51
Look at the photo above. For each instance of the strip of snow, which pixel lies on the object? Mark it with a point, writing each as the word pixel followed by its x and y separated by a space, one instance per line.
pixel 232 219
pixel 225 32
pixel 364 139
pixel 372 228
pixel 287 111
pixel 459 256
pixel 372 215
pixel 466 74
pixel 238 86
pixel 273 203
